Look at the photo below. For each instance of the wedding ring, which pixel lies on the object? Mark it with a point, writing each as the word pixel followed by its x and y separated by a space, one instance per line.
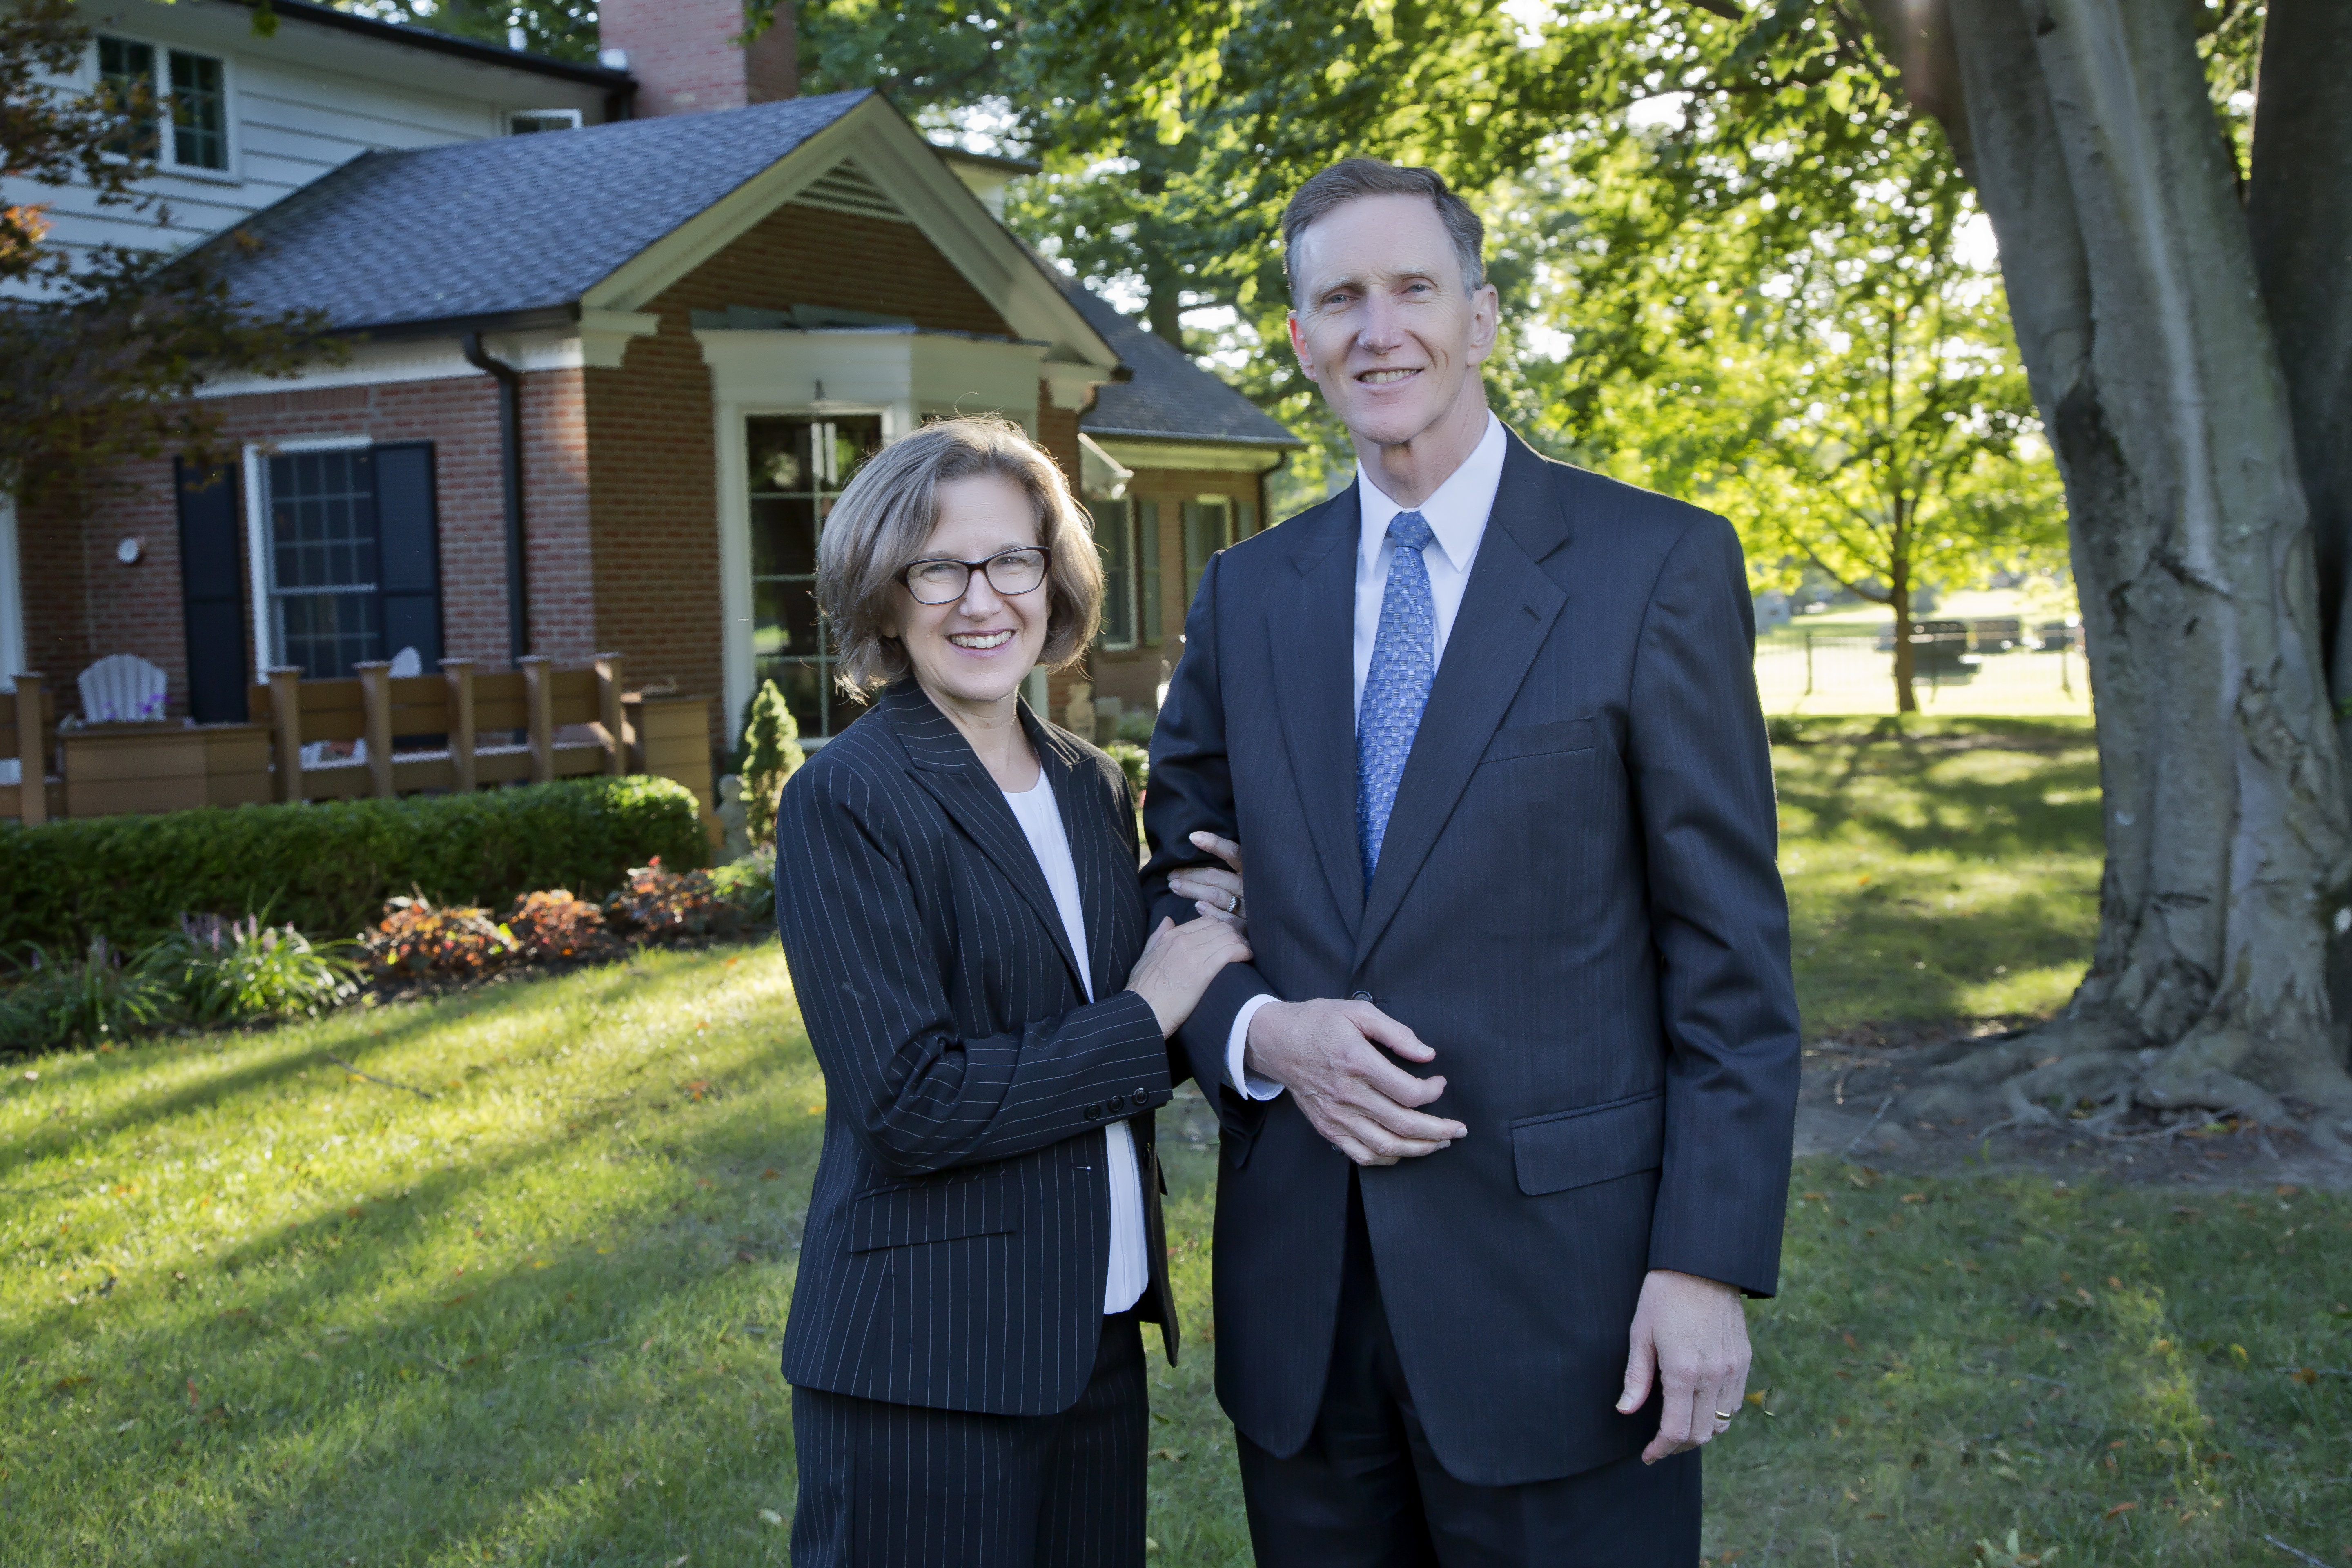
pixel 1725 1414
pixel 1233 903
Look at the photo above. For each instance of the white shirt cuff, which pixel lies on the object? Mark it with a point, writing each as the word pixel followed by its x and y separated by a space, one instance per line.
pixel 1236 1044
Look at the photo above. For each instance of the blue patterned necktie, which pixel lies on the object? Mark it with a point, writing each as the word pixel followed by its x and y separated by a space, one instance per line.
pixel 1396 689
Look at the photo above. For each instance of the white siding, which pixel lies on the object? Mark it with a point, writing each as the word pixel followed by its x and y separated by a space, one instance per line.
pixel 299 104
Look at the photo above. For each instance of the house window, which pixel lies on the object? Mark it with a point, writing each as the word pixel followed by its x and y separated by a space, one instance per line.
pixel 196 103
pixel 350 540
pixel 1208 528
pixel 126 71
pixel 323 562
pixel 1115 537
pixel 525 121
pixel 798 466
pixel 199 113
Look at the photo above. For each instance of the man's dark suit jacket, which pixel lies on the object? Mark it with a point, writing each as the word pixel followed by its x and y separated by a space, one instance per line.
pixel 1575 906
pixel 958 1234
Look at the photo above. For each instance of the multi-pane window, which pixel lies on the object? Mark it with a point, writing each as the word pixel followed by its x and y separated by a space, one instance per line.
pixel 324 562
pixel 1115 539
pixel 191 91
pixel 126 71
pixel 199 113
pixel 798 466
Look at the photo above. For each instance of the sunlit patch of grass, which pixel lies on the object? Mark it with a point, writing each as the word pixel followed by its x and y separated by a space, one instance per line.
pixel 2108 1371
pixel 260 1309
pixel 1942 869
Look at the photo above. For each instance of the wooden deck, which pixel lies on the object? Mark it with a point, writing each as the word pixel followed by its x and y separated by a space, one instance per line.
pixel 369 735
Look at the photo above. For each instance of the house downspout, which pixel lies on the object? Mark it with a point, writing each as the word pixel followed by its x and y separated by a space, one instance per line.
pixel 510 471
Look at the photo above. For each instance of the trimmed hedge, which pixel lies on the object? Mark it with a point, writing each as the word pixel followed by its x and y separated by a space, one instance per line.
pixel 327 866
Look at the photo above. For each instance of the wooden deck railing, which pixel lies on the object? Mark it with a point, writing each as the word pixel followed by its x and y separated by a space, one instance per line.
pixel 28 723
pixel 455 730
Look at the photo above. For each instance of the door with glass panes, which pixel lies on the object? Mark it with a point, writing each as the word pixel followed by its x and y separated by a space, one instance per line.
pixel 799 466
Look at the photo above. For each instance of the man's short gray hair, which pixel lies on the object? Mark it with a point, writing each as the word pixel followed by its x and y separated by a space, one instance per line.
pixel 1351 178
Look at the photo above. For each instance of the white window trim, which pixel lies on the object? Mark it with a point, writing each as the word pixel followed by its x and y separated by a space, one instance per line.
pixel 167 161
pixel 11 597
pixel 573 115
pixel 256 529
pixel 740 664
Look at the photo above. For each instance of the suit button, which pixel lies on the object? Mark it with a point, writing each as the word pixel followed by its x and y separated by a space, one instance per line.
pixel 1094 1113
pixel 1143 1096
pixel 1116 1101
pixel 1361 997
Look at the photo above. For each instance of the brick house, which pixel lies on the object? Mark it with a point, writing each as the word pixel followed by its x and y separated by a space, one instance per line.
pixel 602 387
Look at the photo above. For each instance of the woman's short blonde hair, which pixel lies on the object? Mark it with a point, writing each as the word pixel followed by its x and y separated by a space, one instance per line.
pixel 882 520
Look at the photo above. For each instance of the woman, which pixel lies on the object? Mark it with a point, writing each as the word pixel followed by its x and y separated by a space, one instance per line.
pixel 956 891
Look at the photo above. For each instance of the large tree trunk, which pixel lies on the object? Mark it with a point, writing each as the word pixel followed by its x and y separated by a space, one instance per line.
pixel 2086 127
pixel 2299 215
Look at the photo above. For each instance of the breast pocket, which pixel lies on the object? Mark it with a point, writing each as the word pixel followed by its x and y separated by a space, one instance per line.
pixel 1542 740
pixel 931 1211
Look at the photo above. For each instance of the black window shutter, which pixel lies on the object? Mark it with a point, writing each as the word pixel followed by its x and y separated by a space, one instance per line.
pixel 212 593
pixel 409 541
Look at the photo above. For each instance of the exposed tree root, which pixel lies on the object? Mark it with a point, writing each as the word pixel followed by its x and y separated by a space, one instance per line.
pixel 2070 1066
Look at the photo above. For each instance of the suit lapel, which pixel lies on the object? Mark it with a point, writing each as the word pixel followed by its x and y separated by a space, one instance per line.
pixel 1507 610
pixel 943 762
pixel 1311 636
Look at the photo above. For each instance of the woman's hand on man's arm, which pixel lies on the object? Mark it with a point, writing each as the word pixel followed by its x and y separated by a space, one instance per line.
pixel 1179 962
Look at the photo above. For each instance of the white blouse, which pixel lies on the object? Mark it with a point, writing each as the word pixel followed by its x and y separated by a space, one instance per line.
pixel 1041 819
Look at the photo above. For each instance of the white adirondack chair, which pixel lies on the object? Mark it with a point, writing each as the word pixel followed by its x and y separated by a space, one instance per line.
pixel 407 663
pixel 122 688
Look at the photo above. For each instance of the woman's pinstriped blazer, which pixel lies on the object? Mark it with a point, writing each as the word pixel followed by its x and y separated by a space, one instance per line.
pixel 958 1233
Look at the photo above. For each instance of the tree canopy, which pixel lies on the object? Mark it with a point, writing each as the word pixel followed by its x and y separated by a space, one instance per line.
pixel 101 350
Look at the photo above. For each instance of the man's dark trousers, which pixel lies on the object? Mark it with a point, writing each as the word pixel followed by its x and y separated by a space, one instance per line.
pixel 1366 1491
pixel 1576 905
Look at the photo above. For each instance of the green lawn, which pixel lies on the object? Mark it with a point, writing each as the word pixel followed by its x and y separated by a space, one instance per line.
pixel 1950 870
pixel 256 1310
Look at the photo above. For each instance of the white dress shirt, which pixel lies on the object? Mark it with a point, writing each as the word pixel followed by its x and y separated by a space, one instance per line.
pixel 1456 513
pixel 1040 817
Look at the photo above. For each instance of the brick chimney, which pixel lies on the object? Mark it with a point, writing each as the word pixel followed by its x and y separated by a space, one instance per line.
pixel 687 58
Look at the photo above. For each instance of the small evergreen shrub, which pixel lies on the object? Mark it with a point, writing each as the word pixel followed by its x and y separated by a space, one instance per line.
pixel 771 753
pixel 327 866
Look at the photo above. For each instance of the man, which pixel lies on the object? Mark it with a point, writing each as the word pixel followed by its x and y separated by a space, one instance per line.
pixel 1485 728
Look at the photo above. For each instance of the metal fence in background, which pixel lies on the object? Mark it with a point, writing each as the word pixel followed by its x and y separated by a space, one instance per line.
pixel 1953 672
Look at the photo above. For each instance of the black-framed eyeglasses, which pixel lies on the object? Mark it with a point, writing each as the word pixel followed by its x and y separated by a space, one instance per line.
pixel 939 580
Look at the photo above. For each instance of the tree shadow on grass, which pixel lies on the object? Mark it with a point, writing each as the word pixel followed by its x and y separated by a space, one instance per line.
pixel 1867 790
pixel 1874 951
pixel 503 1385
pixel 277 1054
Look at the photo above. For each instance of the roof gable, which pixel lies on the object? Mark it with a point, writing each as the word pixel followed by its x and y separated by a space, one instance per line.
pixel 889 164
pixel 528 228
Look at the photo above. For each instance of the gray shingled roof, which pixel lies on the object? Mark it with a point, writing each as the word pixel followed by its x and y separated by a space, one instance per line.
pixel 1171 398
pixel 506 226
